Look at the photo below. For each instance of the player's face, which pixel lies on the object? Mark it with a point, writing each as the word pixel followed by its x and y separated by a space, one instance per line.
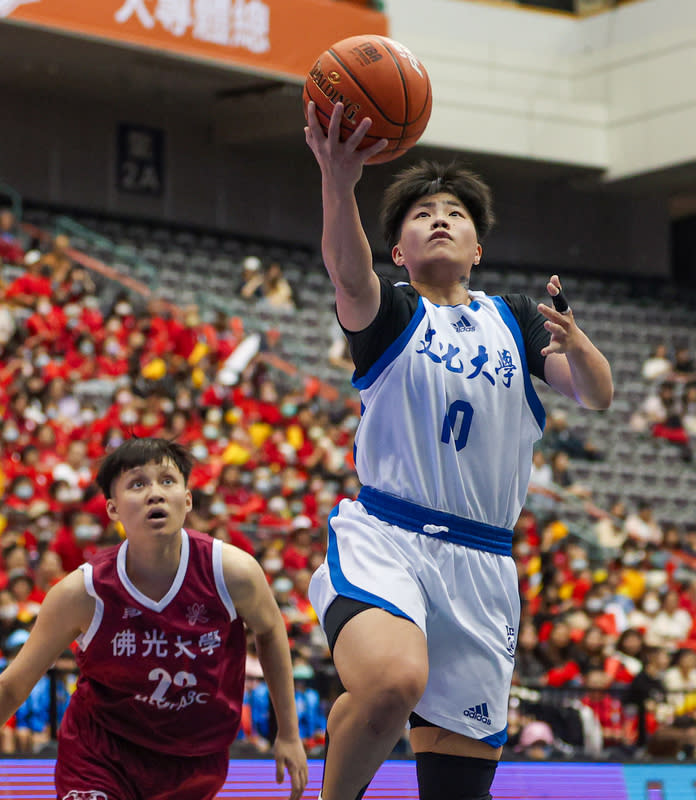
pixel 152 497
pixel 437 230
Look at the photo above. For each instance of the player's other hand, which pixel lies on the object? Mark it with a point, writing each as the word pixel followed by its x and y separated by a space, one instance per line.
pixel 290 754
pixel 561 325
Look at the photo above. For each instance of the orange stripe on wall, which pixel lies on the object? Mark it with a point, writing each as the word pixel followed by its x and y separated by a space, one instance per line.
pixel 278 36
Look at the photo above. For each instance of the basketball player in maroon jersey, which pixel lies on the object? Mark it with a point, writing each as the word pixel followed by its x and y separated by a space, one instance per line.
pixel 160 623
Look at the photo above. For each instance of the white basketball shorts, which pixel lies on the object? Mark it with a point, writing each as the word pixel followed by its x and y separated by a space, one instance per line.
pixel 465 600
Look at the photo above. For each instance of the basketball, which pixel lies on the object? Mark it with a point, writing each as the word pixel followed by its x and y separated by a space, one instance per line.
pixel 374 77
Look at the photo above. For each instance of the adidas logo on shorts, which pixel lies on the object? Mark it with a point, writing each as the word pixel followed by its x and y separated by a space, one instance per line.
pixel 479 713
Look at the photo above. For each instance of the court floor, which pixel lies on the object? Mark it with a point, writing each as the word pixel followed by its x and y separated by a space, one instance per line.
pixel 32 779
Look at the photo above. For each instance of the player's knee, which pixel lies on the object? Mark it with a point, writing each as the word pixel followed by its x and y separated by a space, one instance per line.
pixel 394 697
pixel 446 777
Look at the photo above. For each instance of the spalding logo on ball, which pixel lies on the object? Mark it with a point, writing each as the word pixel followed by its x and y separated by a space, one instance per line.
pixel 374 77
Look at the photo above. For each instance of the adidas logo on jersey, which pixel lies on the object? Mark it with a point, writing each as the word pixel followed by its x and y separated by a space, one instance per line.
pixel 462 325
pixel 479 713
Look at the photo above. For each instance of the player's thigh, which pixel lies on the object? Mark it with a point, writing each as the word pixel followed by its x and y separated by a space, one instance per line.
pixel 376 649
pixel 432 739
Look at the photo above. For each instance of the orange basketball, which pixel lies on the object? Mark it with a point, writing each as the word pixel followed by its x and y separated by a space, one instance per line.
pixel 374 77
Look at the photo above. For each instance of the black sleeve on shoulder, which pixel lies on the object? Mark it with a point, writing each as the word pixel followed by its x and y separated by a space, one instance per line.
pixel 396 308
pixel 534 334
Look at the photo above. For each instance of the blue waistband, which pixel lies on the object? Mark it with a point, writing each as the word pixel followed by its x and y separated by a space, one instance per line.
pixel 439 524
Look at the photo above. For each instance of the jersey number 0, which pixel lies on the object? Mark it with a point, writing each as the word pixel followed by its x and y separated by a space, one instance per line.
pixel 459 415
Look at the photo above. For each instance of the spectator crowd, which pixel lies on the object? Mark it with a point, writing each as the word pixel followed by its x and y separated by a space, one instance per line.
pixel 606 647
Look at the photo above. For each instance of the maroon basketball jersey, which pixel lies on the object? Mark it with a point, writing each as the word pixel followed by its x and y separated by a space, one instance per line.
pixel 167 675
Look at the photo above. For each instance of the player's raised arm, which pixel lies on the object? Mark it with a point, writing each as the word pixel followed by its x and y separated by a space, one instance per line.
pixel 65 612
pixel 345 248
pixel 255 603
pixel 574 365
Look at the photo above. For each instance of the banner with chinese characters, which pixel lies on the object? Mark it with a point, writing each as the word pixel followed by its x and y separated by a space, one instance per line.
pixel 279 36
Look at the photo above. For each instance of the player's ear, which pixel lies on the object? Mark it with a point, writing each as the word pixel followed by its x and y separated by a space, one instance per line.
pixel 111 509
pixel 397 256
pixel 189 500
pixel 478 254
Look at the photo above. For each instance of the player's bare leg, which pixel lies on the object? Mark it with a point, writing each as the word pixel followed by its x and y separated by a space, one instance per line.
pixel 382 661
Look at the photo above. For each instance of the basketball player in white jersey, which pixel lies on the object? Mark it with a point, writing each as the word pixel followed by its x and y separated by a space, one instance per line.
pixel 418 593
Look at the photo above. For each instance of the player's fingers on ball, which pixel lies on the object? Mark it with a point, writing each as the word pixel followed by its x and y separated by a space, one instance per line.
pixel 335 121
pixel 375 148
pixel 312 120
pixel 353 141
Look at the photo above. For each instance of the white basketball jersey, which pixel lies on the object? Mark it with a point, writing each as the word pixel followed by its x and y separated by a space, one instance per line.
pixel 450 415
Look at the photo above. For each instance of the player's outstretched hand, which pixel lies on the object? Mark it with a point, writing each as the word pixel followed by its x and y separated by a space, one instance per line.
pixel 340 161
pixel 559 320
pixel 290 754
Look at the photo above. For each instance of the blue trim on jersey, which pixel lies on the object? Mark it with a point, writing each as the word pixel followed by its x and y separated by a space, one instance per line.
pixel 510 320
pixel 458 530
pixel 392 351
pixel 496 739
pixel 343 586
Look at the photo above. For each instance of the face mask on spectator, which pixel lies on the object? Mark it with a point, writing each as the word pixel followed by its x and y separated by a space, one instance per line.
pixel 42 360
pixel 88 415
pixel 593 605
pixel 123 309
pixel 87 533
pixel 277 505
pixel 112 347
pixel 45 535
pixel 273 564
pixel 8 612
pixel 199 452
pixel 632 558
pixel 651 605
pixel 64 496
pixel 295 483
pixel 218 508
pixel 24 491
pixel 578 564
pixel 10 434
pixel 115 441
pixel 288 409
pixel 659 559
pixel 211 431
pixel 167 406
pixel 129 416
pixel 87 348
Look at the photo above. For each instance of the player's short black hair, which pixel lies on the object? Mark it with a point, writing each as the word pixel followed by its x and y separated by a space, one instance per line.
pixel 136 452
pixel 428 178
